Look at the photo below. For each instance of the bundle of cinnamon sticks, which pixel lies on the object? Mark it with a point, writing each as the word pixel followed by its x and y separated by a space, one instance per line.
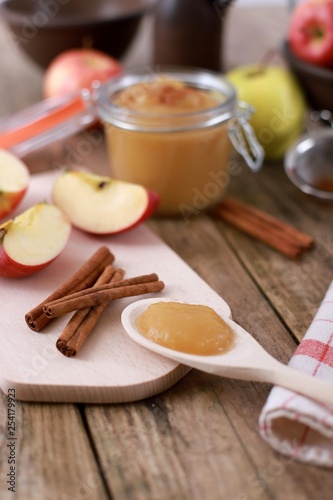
pixel 87 292
pixel 275 233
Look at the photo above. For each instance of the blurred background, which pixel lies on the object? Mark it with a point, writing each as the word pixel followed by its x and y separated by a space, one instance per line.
pixel 135 45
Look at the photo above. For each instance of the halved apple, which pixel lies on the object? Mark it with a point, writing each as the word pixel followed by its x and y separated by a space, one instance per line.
pixel 32 240
pixel 101 205
pixel 14 181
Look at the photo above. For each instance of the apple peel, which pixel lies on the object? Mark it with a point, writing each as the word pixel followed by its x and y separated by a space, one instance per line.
pixel 32 240
pixel 102 205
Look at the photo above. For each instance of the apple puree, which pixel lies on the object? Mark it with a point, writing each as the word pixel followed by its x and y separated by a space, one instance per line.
pixel 190 328
pixel 186 168
pixel 164 96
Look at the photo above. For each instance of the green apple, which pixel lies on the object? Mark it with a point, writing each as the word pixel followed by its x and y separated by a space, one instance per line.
pixel 278 102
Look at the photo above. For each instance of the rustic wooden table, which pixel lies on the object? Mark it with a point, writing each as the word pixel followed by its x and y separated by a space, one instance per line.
pixel 200 438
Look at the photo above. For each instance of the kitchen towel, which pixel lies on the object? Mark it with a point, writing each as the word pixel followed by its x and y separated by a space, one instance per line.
pixel 294 425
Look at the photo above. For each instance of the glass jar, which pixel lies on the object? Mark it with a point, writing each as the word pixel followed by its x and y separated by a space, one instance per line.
pixel 182 152
pixel 182 155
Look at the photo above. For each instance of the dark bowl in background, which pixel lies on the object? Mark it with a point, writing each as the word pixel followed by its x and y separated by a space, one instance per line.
pixel 316 82
pixel 45 28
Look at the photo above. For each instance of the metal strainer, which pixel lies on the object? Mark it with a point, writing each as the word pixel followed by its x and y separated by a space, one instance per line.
pixel 309 162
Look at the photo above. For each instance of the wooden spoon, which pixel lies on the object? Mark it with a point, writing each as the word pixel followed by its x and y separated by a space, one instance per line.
pixel 247 360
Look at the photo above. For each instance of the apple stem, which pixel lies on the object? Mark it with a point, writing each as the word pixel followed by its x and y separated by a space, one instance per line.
pixel 262 65
pixel 3 233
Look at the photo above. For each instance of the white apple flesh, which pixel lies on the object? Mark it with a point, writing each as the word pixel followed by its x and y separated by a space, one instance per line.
pixel 32 240
pixel 101 205
pixel 14 181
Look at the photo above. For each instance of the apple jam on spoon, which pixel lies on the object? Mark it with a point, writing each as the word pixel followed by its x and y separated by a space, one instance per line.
pixel 227 352
pixel 190 328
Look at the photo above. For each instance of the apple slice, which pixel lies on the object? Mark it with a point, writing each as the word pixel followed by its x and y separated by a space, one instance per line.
pixel 101 205
pixel 14 181
pixel 32 240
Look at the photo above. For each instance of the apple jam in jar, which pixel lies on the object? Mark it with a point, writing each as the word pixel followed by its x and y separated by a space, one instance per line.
pixel 171 131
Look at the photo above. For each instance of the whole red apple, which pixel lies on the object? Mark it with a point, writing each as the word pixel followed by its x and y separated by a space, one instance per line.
pixel 310 32
pixel 75 69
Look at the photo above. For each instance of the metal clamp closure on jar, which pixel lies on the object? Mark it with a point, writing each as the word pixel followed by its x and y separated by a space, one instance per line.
pixel 244 139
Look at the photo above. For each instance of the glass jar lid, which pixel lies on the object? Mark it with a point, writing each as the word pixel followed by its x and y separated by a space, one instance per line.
pixel 111 112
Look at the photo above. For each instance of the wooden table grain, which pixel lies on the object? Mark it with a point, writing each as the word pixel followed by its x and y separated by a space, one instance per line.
pixel 200 438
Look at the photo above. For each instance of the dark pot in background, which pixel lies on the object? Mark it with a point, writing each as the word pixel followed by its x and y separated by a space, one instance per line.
pixel 190 33
pixel 316 82
pixel 45 28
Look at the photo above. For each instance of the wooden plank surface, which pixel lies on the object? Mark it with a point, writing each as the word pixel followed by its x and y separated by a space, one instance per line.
pixel 200 438
pixel 294 288
pixel 53 454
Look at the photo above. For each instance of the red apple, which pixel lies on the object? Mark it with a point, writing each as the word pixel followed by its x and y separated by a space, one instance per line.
pixel 101 205
pixel 75 69
pixel 14 181
pixel 310 32
pixel 32 240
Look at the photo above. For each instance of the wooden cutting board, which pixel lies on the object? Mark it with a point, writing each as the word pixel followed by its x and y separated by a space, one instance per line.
pixel 110 368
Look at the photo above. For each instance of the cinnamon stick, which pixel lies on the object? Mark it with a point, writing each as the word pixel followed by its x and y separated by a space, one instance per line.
pixel 145 278
pixel 83 278
pixel 264 227
pixel 126 288
pixel 83 321
pixel 285 230
pixel 79 316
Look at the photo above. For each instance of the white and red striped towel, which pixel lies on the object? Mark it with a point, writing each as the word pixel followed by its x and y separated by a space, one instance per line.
pixel 292 424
